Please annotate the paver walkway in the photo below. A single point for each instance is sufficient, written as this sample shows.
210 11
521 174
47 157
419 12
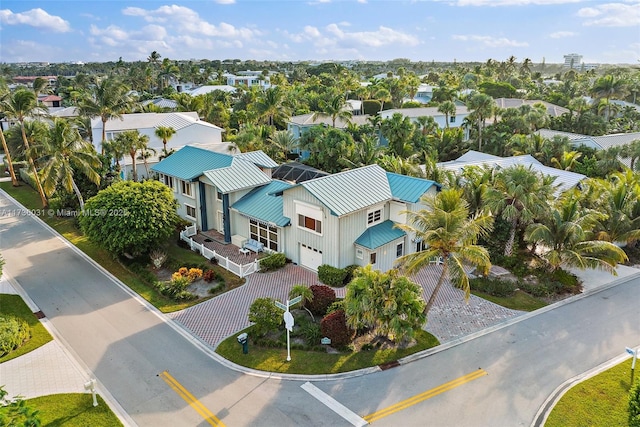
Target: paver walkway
449 319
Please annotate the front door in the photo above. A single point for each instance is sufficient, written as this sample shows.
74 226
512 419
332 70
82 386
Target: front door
220 222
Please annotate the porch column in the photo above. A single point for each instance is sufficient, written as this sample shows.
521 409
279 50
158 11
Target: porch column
203 206
226 218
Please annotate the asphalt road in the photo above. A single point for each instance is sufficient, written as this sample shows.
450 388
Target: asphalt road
127 345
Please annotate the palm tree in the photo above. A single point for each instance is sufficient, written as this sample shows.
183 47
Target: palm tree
448 108
307 296
335 109
608 87
165 132
284 143
132 141
481 106
518 194
20 105
448 231
4 94
270 105
116 150
64 151
144 155
109 100
568 161
562 239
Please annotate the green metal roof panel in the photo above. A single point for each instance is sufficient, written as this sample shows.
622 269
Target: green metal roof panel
408 188
259 158
189 163
262 204
239 175
352 190
379 235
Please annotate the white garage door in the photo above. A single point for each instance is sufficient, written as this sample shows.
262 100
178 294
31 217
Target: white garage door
310 257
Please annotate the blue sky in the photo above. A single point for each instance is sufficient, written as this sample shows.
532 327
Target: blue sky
442 30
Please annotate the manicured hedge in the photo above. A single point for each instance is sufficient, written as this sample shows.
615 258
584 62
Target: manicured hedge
332 276
334 326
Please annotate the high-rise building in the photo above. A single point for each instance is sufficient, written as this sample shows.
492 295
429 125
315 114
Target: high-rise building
572 60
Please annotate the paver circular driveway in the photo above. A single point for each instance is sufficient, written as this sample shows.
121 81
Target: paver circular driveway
450 317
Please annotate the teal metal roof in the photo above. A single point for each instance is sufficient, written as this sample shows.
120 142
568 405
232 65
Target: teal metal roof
259 158
352 190
240 174
261 203
379 235
189 163
408 188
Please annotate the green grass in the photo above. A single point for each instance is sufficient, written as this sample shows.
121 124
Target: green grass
68 229
73 410
600 401
314 362
520 300
15 306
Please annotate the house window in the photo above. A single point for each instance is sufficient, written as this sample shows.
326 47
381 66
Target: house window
420 246
374 216
264 233
373 257
399 250
359 254
218 195
166 180
312 224
452 119
191 211
186 188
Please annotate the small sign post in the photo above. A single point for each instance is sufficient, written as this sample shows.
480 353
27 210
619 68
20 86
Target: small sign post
634 353
288 319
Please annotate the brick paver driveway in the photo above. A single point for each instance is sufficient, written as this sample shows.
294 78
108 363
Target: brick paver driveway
450 318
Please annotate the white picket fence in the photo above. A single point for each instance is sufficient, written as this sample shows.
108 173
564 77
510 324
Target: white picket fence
240 270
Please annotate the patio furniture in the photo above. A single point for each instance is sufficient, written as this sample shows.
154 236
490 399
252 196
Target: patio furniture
254 245
244 251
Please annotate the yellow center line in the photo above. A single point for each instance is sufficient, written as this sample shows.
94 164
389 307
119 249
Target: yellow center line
425 395
191 400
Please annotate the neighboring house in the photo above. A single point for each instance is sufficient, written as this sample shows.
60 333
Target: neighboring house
50 101
596 142
565 180
298 125
203 90
342 219
552 109
189 128
423 95
66 112
248 79
164 103
455 120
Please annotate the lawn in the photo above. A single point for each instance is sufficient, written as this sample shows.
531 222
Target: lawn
15 306
73 410
67 227
316 362
600 401
520 300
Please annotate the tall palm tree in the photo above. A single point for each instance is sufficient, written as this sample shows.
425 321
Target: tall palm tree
133 141
65 150
481 106
270 105
608 87
448 231
283 143
19 106
334 108
448 108
165 132
108 100
562 239
116 150
519 195
4 95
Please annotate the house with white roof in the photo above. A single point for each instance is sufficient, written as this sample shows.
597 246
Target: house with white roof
342 219
188 126
552 109
298 125
455 120
203 90
564 180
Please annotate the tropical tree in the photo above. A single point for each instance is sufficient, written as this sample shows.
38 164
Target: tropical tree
65 152
108 100
4 95
306 294
115 149
334 109
282 144
451 234
481 107
132 141
608 87
389 304
270 106
518 194
448 108
165 132
22 104
561 239
398 130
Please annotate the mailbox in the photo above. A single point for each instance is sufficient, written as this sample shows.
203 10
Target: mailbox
243 339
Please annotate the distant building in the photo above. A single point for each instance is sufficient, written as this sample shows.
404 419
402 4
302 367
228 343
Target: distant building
572 60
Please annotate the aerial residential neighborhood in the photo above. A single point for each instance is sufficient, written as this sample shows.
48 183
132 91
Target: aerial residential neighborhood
328 213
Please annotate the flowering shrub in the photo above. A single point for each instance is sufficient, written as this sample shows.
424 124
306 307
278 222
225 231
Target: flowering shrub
209 276
183 271
194 274
190 274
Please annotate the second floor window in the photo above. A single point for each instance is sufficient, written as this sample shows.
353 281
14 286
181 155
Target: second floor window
186 188
374 217
310 223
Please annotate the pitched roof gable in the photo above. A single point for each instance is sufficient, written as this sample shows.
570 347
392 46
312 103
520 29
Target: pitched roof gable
380 234
240 174
189 163
408 188
264 204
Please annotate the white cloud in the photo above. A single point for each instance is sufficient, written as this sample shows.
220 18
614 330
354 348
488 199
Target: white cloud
489 41
562 34
225 1
37 18
383 36
145 39
611 15
362 1
512 2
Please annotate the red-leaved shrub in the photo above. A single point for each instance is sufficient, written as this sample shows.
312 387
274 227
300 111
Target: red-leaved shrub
209 276
334 326
323 297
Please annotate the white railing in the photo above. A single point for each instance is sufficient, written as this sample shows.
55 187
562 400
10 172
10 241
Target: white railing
240 270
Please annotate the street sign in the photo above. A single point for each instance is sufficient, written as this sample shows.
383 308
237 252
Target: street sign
288 321
295 300
280 305
630 351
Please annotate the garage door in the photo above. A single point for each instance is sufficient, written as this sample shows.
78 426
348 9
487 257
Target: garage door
310 257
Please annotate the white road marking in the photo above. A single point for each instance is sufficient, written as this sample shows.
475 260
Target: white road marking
334 405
